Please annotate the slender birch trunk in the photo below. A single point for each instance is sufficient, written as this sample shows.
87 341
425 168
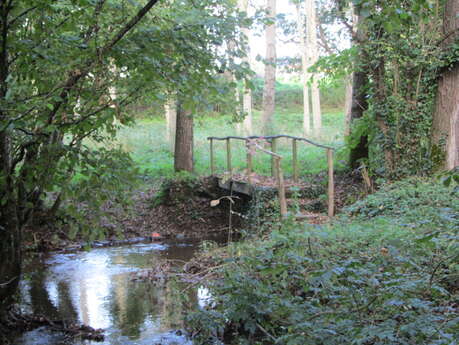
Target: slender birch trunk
311 24
348 104
247 92
304 67
349 81
270 71
170 110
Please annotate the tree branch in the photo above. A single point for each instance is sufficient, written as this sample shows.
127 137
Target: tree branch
11 23
77 74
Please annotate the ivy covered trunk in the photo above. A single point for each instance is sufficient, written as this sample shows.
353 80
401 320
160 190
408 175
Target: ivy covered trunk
445 131
358 101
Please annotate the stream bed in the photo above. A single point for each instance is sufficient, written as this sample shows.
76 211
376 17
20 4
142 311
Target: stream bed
96 288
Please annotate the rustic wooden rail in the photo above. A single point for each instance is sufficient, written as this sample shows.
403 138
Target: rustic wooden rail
275 160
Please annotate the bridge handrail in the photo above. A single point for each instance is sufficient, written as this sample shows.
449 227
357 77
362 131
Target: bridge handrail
275 160
270 137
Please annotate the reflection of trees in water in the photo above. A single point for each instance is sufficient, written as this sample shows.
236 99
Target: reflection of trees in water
66 306
41 301
39 296
131 304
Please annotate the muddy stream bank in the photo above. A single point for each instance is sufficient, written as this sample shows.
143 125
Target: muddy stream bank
100 288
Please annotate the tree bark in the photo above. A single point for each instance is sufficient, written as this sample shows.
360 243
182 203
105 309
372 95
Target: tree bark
445 127
183 159
270 71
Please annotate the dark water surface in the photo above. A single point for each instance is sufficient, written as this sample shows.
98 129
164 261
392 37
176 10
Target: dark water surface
96 288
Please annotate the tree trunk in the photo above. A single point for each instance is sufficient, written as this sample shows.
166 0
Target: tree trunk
247 107
311 25
445 128
183 159
247 92
359 102
171 122
348 104
304 67
10 256
270 71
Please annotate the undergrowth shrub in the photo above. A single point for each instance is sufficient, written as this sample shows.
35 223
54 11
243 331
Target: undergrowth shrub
416 202
104 183
362 280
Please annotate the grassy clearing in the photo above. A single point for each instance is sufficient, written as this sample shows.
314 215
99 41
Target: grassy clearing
148 145
390 277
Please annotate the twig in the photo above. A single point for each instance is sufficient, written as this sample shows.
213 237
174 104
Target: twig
8 282
310 248
266 332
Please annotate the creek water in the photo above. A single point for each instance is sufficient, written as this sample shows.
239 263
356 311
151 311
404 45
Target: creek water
96 288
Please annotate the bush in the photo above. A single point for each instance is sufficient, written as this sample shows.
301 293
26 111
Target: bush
358 281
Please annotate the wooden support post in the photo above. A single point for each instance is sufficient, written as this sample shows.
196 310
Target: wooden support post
273 159
331 184
295 160
212 161
281 187
228 156
249 166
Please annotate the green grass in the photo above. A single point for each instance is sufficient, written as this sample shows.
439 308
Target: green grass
147 143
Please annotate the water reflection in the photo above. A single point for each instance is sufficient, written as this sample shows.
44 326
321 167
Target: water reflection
95 288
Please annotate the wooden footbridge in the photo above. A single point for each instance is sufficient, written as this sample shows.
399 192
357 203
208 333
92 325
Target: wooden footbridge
258 143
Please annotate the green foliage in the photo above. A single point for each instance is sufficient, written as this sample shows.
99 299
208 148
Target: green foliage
406 200
176 190
451 178
356 281
70 67
290 94
105 178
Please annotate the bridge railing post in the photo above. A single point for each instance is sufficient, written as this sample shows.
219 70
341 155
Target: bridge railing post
331 184
212 160
273 160
228 156
249 164
280 186
295 160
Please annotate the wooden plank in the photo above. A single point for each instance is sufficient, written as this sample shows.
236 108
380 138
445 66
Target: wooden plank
331 184
295 160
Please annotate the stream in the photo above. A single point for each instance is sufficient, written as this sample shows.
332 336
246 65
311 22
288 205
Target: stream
96 288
